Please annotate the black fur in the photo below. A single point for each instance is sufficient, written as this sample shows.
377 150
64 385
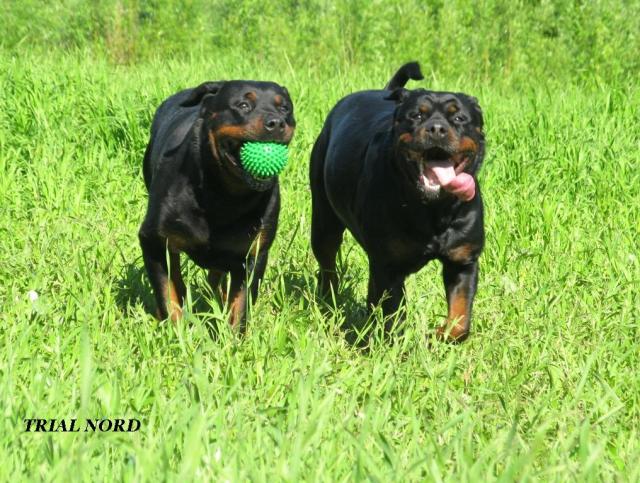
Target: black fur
364 169
201 201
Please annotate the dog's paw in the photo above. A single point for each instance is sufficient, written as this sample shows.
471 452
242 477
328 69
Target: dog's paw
452 332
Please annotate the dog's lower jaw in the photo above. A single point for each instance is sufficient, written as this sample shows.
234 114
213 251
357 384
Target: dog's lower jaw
428 192
257 184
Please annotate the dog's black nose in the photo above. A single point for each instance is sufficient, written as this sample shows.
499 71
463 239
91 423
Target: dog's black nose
273 122
437 130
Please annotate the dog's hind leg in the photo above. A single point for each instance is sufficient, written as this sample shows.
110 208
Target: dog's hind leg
326 238
326 228
175 274
216 282
168 289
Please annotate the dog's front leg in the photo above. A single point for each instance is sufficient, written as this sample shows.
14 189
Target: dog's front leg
460 282
243 290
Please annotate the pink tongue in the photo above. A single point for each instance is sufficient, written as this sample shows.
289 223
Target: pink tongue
462 185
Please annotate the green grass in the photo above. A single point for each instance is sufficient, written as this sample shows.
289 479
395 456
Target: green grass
547 387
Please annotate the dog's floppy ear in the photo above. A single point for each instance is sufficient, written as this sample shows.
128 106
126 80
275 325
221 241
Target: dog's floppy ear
398 95
475 106
204 89
208 104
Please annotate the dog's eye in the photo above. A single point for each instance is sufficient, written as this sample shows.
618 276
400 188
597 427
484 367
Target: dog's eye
284 109
458 119
416 116
244 106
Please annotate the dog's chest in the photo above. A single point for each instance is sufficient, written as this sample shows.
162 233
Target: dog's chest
414 250
407 249
210 238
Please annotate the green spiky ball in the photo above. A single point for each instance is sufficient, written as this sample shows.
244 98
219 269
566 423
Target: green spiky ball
263 160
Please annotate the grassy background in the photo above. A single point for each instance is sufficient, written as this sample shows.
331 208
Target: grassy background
547 387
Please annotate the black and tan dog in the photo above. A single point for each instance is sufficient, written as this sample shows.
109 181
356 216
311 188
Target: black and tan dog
398 169
201 201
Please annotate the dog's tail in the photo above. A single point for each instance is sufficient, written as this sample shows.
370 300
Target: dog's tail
408 71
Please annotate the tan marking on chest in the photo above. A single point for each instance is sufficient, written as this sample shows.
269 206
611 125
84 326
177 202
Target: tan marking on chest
461 253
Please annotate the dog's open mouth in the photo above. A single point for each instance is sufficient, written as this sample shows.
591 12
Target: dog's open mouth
440 169
230 150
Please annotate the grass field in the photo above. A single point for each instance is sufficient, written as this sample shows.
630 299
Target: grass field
548 386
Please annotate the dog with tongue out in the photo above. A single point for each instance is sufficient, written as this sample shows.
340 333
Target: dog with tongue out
397 168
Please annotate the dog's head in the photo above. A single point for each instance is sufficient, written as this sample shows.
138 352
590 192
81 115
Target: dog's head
439 141
235 112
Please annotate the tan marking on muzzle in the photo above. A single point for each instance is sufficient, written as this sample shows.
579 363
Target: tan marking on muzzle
288 133
467 144
230 131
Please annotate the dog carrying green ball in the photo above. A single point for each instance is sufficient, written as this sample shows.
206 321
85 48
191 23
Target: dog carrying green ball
263 160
